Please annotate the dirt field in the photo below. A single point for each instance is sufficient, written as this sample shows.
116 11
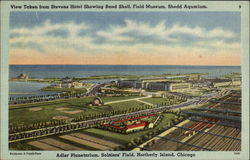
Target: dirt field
43 146
96 140
35 109
75 138
62 108
60 144
72 112
85 142
60 117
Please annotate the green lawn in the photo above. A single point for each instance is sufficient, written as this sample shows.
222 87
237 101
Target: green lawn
22 114
125 138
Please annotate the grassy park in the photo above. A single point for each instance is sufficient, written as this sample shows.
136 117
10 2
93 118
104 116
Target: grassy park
45 111
24 114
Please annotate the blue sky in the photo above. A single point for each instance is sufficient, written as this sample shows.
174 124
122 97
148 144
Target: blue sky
157 34
209 20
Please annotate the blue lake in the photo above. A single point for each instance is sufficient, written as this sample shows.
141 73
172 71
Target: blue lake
60 71
21 89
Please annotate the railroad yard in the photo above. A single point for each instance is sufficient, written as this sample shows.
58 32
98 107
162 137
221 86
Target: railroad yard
214 128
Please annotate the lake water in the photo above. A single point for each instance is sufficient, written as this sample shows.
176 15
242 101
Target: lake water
21 89
60 71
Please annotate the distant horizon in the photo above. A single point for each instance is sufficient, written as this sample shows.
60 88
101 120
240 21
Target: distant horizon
120 65
48 71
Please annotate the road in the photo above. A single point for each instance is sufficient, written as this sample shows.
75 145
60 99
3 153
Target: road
94 89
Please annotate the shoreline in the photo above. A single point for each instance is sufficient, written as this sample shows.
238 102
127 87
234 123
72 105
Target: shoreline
100 77
20 93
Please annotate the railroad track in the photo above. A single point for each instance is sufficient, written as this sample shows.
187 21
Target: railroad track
207 133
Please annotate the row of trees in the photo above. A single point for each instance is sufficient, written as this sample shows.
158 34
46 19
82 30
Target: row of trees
44 98
122 93
112 113
49 131
35 125
30 99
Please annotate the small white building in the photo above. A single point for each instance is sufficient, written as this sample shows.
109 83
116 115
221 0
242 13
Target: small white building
77 84
68 84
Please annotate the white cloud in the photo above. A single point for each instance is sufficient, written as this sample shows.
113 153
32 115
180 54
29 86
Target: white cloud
219 44
114 36
40 35
119 33
161 31
71 27
200 32
115 33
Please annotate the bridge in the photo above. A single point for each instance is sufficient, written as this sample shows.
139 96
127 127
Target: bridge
215 116
224 102
217 110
